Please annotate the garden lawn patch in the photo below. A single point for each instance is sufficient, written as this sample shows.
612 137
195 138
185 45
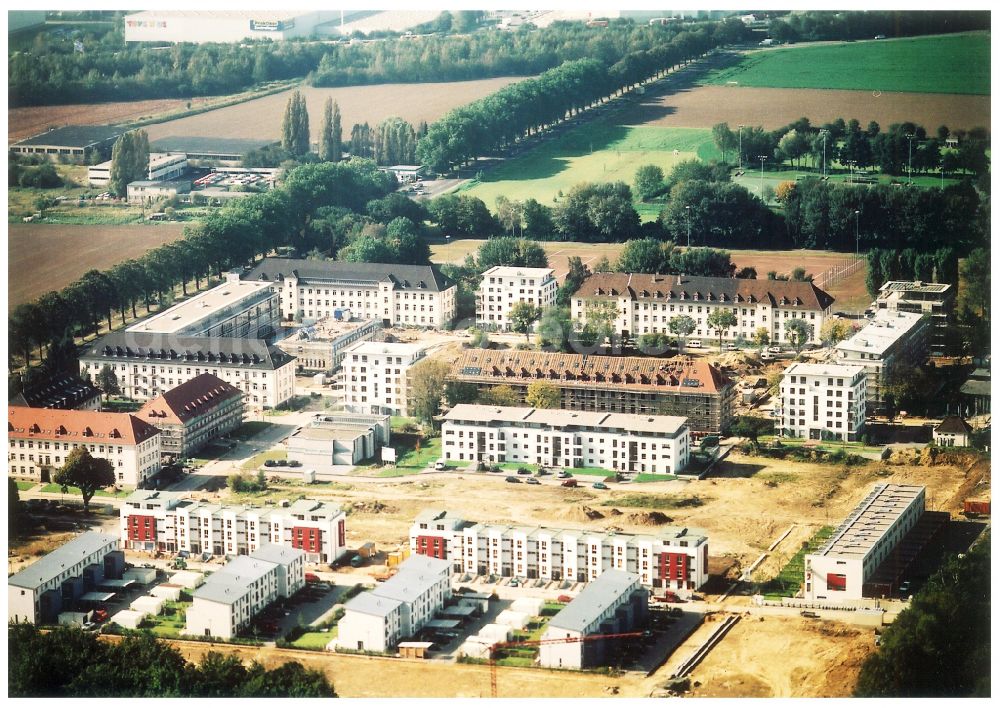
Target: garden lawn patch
590 471
316 641
25 486
258 460
654 478
56 489
791 577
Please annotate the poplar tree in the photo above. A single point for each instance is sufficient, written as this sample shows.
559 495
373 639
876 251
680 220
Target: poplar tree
295 126
326 133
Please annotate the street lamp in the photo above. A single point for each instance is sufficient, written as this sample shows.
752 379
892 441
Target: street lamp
909 161
824 133
857 216
741 147
687 210
762 158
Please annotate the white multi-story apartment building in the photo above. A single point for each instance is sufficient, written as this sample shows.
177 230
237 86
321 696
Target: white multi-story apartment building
620 442
161 167
614 603
170 522
865 539
934 299
645 304
891 338
396 609
232 596
149 364
823 401
40 439
375 377
395 295
237 308
670 559
35 594
504 286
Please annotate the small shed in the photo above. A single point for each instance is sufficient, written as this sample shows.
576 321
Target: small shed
187 579
367 550
528 605
952 432
129 619
493 633
143 576
148 605
476 604
167 591
460 611
476 648
414 650
73 619
516 620
97 597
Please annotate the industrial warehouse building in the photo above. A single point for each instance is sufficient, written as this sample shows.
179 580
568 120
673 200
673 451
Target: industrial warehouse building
329 440
863 541
823 401
40 439
170 522
645 303
670 559
74 143
38 593
619 442
679 386
504 286
193 414
209 151
615 603
148 363
162 167
235 308
394 294
396 609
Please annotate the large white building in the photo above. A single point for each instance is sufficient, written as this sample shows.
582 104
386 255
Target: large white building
504 286
374 375
236 308
396 609
148 364
866 538
645 304
619 442
329 440
892 338
395 295
170 522
823 401
615 603
669 559
934 299
162 167
232 596
223 25
40 439
36 594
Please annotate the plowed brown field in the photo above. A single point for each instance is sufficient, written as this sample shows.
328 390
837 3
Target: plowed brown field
260 119
705 106
44 257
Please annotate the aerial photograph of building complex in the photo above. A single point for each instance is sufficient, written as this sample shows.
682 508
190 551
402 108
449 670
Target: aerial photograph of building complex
520 354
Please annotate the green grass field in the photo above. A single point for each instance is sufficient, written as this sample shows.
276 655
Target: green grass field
958 63
315 641
599 152
791 577
56 489
25 486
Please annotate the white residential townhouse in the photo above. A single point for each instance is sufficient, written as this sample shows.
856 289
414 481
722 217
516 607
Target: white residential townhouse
823 401
374 375
504 286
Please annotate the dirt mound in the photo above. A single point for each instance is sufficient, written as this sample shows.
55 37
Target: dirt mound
921 457
374 507
580 513
614 512
648 518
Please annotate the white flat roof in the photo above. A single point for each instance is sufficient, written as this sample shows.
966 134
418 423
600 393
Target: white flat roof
200 307
387 348
516 272
870 520
558 418
881 332
846 371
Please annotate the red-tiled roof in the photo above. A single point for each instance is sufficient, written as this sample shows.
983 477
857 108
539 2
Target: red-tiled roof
77 426
681 374
189 399
687 288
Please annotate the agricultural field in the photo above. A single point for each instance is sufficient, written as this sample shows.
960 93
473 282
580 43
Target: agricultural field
44 257
260 119
948 64
605 150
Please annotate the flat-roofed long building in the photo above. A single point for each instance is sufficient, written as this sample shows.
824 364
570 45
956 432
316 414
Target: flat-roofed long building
162 166
620 442
73 142
615 603
222 25
147 364
394 294
670 558
866 538
645 303
682 386
236 308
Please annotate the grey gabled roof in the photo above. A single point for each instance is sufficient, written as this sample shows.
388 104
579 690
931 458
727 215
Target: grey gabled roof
594 599
214 351
274 553
405 277
69 554
368 603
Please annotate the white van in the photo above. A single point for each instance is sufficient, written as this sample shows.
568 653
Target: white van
440 464
694 344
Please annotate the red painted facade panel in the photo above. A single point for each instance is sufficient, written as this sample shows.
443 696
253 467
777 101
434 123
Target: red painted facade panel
433 546
341 534
141 528
674 566
835 581
309 540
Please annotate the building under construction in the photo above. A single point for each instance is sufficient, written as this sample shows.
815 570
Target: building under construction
680 386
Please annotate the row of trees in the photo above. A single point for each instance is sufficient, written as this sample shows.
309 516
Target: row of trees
129 161
68 662
816 25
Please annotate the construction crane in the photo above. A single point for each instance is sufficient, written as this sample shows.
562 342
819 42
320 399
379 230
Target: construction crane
540 642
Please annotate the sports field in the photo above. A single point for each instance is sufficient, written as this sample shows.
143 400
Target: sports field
955 64
602 151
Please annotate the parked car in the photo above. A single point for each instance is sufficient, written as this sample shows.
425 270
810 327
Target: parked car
564 474
269 463
440 464
774 350
100 615
599 485
513 480
767 356
569 483
523 470
730 347
294 463
312 578
694 344
531 480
